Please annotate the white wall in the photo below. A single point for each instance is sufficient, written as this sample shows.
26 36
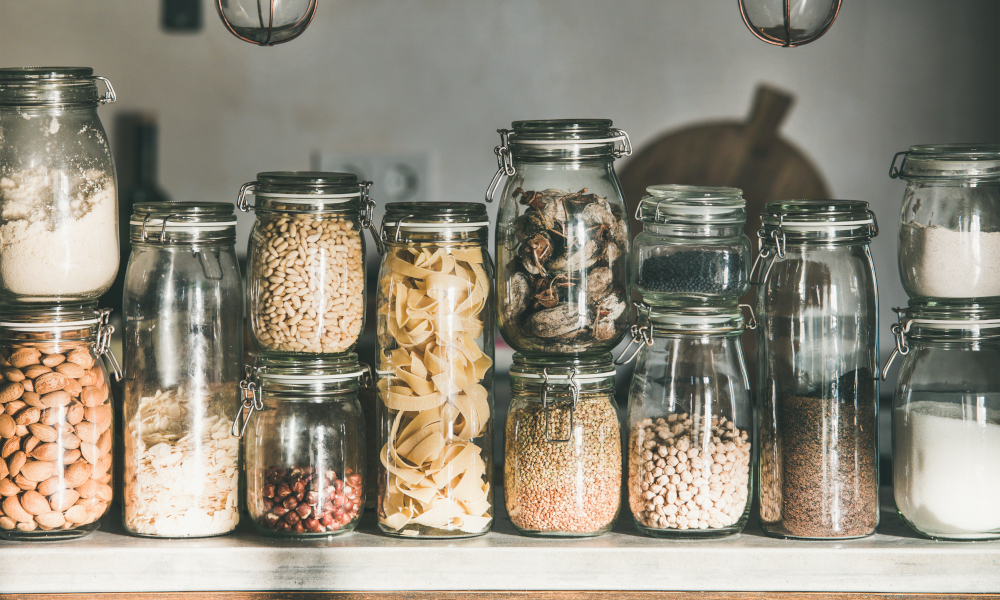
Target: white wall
441 75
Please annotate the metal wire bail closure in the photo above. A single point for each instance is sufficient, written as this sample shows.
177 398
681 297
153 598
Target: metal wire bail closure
104 332
242 202
251 401
762 253
640 335
626 149
505 165
574 386
109 97
368 215
895 172
752 323
899 331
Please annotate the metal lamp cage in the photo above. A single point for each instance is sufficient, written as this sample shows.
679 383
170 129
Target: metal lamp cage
786 41
265 17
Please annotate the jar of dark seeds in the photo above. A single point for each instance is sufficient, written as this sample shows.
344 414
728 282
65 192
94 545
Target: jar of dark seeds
690 425
562 237
692 249
304 446
562 471
817 353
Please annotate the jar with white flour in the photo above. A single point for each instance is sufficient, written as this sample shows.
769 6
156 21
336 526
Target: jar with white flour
946 421
58 196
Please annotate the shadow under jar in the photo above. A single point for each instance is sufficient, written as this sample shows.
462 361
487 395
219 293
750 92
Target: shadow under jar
562 237
55 422
946 421
58 191
690 424
817 352
563 451
304 446
306 261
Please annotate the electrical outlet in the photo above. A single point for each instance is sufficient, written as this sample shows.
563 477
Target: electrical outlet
395 177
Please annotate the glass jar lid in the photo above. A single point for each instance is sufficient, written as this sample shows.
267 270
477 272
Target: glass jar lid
697 320
182 222
52 86
803 221
291 371
692 204
305 192
948 161
434 221
54 319
596 371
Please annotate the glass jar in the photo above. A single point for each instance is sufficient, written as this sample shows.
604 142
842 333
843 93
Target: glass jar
58 193
817 349
562 237
946 421
435 389
563 451
55 422
183 354
690 421
306 283
304 446
692 249
950 217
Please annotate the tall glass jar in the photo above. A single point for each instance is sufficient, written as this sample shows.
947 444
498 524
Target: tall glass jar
435 389
58 194
690 421
183 355
817 349
562 237
306 282
563 451
950 217
304 446
946 421
692 249
55 422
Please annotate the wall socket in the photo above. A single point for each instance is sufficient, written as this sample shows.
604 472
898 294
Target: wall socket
396 177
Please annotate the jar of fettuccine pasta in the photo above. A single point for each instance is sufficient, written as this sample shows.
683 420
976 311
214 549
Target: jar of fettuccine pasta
435 389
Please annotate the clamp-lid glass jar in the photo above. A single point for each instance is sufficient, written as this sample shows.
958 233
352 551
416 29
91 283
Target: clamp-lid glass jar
55 422
946 421
690 421
58 193
304 445
306 281
183 355
817 353
563 452
435 353
692 249
949 224
562 237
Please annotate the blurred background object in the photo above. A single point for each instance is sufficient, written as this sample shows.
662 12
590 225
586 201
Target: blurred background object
183 16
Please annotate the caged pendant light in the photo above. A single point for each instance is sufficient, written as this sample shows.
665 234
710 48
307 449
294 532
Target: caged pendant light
789 23
266 22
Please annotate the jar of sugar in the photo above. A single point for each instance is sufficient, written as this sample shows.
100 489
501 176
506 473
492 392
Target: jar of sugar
946 420
949 226
58 196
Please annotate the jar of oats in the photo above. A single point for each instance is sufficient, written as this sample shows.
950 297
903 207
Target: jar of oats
306 259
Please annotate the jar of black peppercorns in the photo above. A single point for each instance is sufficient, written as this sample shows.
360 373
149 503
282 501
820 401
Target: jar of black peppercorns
304 446
692 250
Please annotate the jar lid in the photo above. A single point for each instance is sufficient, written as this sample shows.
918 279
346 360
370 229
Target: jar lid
52 318
696 320
51 86
315 370
563 369
692 204
931 314
946 161
167 222
425 220
802 220
304 191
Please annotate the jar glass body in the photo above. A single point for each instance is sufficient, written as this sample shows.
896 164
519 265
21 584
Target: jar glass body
562 247
950 216
56 426
435 349
946 431
183 348
305 457
817 348
562 450
58 191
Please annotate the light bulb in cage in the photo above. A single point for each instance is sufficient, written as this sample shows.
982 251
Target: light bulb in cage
789 23
266 22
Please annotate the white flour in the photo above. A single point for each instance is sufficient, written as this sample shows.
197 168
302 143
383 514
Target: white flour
58 234
942 263
946 469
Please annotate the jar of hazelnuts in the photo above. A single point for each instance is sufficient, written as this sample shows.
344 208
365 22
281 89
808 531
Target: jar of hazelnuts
304 445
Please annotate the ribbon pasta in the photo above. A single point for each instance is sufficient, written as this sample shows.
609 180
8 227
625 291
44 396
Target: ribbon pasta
430 313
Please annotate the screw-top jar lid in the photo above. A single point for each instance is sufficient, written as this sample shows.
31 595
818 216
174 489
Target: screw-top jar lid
428 221
182 222
692 204
52 86
817 220
948 161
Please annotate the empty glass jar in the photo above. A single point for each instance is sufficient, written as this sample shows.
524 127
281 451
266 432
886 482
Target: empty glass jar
562 237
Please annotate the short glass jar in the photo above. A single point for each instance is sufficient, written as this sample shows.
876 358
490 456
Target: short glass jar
183 354
692 249
304 445
58 191
817 353
306 261
949 224
562 238
56 422
563 451
435 353
690 421
946 420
